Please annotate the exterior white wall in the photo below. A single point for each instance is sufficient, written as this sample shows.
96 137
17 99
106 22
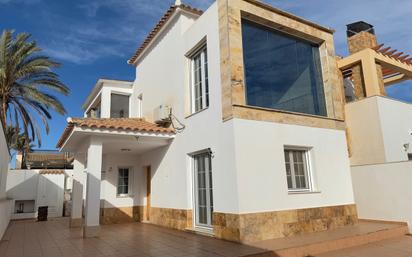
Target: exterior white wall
5 215
379 127
260 163
396 125
383 191
108 88
163 78
5 204
45 190
111 165
4 163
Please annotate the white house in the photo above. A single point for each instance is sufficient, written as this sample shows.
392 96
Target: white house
234 126
379 127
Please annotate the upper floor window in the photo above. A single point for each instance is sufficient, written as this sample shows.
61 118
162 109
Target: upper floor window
119 106
199 80
282 72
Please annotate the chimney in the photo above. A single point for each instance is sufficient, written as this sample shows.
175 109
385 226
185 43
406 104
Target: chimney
361 35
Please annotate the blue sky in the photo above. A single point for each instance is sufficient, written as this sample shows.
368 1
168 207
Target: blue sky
94 38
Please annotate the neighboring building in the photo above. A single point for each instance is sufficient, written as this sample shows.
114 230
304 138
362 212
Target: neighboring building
256 147
41 178
379 127
44 159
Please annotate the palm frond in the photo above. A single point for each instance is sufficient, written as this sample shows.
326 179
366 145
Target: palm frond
27 85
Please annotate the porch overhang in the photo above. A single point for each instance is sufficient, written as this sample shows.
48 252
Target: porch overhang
119 135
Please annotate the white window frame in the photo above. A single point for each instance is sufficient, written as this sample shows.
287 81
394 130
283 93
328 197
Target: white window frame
201 227
140 106
130 182
307 154
204 80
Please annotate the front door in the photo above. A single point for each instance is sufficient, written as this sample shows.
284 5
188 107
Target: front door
203 190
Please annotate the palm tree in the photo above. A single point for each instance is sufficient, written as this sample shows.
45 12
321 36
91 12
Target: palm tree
22 145
26 85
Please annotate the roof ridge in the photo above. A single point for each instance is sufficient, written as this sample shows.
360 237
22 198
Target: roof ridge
159 25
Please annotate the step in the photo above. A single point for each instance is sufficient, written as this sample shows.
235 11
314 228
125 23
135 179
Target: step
365 232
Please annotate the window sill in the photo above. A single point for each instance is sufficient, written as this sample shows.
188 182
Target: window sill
303 192
124 196
193 114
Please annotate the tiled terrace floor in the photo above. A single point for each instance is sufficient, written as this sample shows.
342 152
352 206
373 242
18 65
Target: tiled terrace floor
55 239
396 247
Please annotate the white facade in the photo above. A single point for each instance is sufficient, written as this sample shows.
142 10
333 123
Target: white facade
380 130
382 191
247 156
35 190
5 204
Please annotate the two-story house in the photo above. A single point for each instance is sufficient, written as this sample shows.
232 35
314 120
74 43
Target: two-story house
234 126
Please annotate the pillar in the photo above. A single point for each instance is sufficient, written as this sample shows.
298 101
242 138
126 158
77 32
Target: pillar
91 227
76 219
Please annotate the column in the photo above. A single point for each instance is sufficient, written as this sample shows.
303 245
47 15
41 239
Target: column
92 208
76 219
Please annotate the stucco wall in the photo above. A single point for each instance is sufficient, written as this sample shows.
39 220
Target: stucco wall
111 164
378 129
396 124
4 163
44 189
260 163
383 191
4 167
163 78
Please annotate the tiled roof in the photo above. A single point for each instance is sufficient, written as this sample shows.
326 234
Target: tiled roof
51 172
169 13
129 124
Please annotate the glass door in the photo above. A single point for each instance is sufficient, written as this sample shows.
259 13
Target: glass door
203 190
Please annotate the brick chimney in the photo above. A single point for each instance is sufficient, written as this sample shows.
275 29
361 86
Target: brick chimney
361 35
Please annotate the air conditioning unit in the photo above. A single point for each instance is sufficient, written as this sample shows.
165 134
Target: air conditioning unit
162 114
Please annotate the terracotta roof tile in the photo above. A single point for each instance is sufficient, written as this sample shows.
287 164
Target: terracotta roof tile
169 13
51 172
129 124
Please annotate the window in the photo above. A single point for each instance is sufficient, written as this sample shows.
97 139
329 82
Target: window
140 106
119 106
123 182
297 169
410 156
95 111
199 81
282 72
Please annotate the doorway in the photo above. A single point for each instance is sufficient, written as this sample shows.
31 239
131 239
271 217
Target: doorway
203 190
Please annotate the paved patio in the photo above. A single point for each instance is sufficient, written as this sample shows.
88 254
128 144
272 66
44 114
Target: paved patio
396 247
55 239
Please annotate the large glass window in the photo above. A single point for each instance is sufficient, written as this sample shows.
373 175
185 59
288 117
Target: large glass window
119 106
199 80
282 72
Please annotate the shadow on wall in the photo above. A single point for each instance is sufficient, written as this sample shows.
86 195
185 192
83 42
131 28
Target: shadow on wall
111 213
45 190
